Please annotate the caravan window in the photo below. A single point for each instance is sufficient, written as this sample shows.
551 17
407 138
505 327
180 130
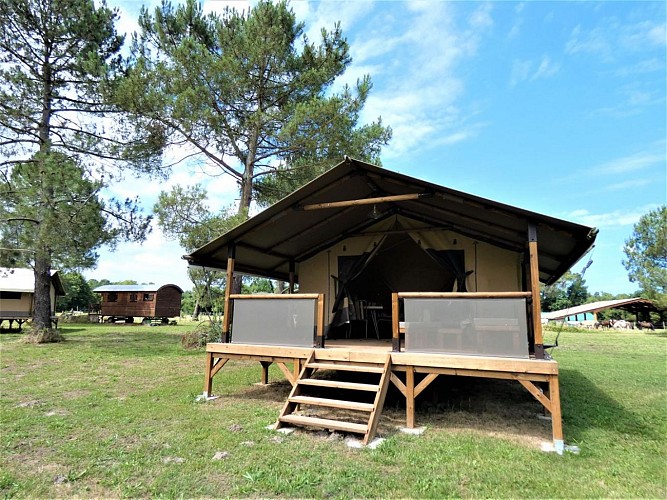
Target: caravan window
112 297
148 297
10 295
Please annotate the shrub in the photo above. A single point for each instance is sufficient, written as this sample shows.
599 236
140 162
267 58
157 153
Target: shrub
204 332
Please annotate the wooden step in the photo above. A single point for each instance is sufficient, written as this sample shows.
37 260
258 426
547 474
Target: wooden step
324 423
338 384
359 367
332 403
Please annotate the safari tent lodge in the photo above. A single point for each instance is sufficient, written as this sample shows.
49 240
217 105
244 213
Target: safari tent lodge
396 276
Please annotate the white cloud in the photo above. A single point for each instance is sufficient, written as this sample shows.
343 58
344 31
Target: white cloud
518 21
630 163
414 51
157 260
526 70
615 218
630 184
642 67
593 42
611 38
546 69
318 15
481 17
632 99
219 6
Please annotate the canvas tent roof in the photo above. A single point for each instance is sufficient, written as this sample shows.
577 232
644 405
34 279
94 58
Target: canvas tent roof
23 280
291 230
634 305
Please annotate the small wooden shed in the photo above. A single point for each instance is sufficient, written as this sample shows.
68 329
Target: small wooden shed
150 302
17 295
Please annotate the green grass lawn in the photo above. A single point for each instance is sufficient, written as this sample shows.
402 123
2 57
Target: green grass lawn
111 412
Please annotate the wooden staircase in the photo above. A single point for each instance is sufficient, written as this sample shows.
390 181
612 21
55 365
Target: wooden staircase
297 401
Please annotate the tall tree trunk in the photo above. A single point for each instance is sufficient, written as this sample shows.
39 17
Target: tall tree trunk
197 310
246 191
42 305
41 318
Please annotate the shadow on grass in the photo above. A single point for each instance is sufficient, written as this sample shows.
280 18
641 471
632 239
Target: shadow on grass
491 405
586 406
121 342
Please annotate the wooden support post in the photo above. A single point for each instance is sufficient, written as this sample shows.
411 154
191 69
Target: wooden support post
319 328
208 377
297 368
395 333
535 291
227 320
292 269
410 397
556 417
265 372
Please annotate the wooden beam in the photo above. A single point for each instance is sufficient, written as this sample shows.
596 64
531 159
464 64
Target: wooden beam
464 295
410 397
259 296
537 393
364 201
556 417
208 378
265 372
395 323
292 272
319 332
286 371
425 383
227 318
398 383
296 368
217 366
535 291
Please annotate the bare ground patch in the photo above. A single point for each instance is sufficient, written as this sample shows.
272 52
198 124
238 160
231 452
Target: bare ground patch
493 408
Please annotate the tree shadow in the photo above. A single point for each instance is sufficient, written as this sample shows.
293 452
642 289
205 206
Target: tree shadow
490 405
586 406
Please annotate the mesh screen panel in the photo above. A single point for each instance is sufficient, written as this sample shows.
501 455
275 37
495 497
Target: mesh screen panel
274 322
482 327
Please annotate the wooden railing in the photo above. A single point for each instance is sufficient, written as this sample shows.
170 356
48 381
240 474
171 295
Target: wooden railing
268 321
397 330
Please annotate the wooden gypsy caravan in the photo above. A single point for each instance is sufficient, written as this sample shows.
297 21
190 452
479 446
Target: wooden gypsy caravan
150 302
393 276
17 295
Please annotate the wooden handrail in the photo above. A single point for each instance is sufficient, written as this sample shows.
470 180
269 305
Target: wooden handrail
292 296
464 295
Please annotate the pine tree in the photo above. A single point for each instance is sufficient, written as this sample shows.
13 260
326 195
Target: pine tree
250 94
59 63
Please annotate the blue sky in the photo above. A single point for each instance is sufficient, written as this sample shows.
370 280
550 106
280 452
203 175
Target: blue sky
554 107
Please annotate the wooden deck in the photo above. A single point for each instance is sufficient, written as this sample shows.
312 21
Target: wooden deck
538 376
